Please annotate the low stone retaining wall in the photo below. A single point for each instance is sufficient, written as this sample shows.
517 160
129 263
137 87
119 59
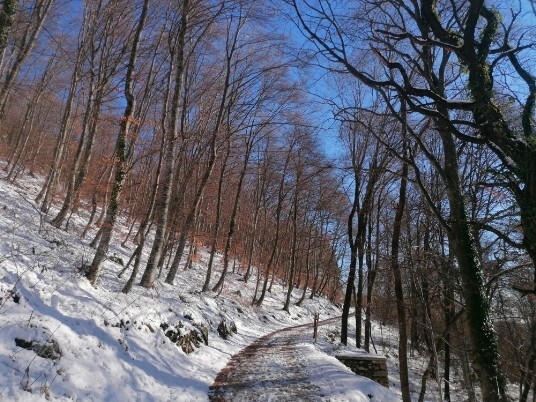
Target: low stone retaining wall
370 366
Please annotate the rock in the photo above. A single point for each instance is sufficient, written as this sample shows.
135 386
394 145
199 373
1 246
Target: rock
13 295
227 328
118 260
57 242
122 324
204 332
124 344
187 338
49 350
370 366
22 343
189 341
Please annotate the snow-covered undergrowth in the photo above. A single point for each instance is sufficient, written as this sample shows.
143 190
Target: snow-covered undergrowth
62 339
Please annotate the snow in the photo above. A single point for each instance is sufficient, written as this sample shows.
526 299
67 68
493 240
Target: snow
112 345
327 371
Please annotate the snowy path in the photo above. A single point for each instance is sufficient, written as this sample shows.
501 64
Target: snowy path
272 368
285 366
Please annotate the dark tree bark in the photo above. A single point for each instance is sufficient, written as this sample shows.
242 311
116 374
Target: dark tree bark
399 293
294 242
232 221
472 43
127 122
217 223
278 211
162 204
39 13
364 188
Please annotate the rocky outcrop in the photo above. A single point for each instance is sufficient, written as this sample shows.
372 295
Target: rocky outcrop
187 337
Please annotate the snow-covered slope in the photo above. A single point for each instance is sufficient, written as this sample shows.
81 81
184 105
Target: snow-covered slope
62 339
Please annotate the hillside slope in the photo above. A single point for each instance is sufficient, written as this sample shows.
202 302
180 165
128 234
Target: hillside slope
62 339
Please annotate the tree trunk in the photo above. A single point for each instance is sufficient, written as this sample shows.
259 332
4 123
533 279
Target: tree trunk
424 378
26 130
82 159
232 222
278 211
307 270
372 271
120 166
484 350
39 14
163 199
192 213
399 293
292 269
217 223
47 191
351 272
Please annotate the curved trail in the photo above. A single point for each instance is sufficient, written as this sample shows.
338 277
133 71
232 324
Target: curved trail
274 367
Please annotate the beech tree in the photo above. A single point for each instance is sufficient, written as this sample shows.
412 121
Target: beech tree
179 29
128 120
48 188
27 130
189 24
368 164
106 48
31 21
224 109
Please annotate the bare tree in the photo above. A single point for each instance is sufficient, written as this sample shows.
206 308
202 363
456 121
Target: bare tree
39 11
321 25
367 167
107 48
120 166
29 120
170 127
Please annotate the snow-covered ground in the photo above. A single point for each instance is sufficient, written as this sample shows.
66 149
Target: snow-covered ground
102 345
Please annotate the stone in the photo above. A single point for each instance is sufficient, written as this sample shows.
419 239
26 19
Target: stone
203 330
118 260
48 350
370 366
227 328
186 339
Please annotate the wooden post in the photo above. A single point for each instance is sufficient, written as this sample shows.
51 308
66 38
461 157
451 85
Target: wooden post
315 326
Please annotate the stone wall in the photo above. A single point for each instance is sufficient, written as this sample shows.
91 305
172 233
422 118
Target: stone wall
370 366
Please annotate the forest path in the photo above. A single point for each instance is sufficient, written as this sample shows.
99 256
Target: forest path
276 367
